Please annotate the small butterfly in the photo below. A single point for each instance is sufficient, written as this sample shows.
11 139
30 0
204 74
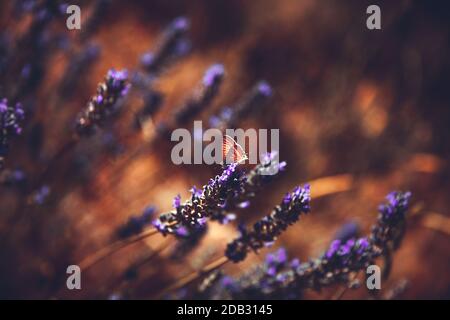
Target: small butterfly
232 151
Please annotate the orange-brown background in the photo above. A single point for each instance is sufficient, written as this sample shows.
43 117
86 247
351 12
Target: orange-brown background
371 104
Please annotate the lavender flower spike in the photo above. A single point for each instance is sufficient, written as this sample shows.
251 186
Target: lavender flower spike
10 125
104 103
227 117
267 230
193 213
388 232
172 44
280 278
203 96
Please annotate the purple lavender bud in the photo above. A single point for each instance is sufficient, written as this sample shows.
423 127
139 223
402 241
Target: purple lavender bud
161 227
287 198
177 201
265 89
281 255
271 271
41 195
213 74
295 263
195 192
346 248
229 217
147 58
244 204
227 282
182 232
3 106
362 245
180 24
334 247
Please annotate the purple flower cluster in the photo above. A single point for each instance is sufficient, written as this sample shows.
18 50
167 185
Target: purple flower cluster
349 254
104 103
188 217
11 117
253 182
266 231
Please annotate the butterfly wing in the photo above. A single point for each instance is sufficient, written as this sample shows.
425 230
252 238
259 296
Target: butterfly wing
232 151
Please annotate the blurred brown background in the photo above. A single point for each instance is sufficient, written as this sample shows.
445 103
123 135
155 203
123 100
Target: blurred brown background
347 100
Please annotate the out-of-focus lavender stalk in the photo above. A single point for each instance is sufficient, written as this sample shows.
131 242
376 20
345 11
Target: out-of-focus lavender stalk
171 45
104 103
228 117
11 117
22 7
98 12
136 224
267 230
198 101
203 96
